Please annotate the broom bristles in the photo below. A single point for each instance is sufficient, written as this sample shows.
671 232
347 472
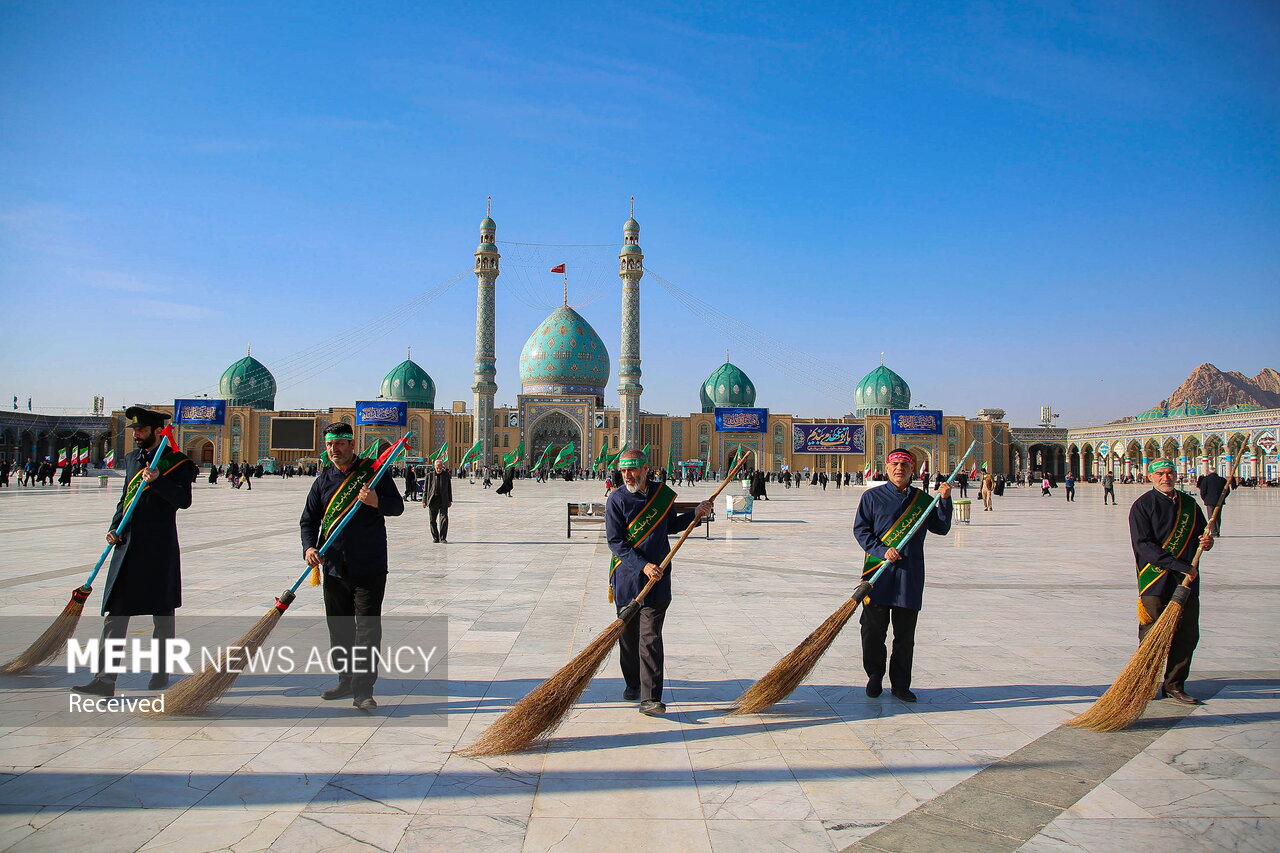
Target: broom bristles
48 644
788 673
542 711
192 695
1124 701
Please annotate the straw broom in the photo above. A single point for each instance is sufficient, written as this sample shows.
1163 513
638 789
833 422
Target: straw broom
192 695
54 639
1127 698
790 672
542 711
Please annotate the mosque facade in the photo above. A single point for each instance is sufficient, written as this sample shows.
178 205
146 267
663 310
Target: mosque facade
565 368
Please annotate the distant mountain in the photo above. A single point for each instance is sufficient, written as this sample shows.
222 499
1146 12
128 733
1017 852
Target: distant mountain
1228 389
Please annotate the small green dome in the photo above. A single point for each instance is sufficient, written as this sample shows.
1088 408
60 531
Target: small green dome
631 225
631 250
488 224
727 387
879 391
248 383
409 383
564 355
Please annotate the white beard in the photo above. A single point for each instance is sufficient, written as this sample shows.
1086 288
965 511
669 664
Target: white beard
638 487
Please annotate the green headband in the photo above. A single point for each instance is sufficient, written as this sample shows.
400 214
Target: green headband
339 436
1160 465
633 462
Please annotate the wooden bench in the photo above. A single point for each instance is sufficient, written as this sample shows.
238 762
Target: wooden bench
587 514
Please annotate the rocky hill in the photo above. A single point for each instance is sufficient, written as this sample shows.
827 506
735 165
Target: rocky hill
1228 389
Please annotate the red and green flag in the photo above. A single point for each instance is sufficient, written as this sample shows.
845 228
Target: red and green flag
510 460
110 461
472 454
62 458
542 460
565 457
442 452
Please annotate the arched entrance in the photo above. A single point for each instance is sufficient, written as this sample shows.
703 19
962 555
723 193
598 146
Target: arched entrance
200 450
554 429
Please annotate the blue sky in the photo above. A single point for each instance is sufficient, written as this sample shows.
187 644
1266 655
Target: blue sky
1001 197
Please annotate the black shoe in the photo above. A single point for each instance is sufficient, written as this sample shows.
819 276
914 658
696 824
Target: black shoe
652 708
631 694
904 694
1179 696
97 687
342 691
159 681
874 687
366 704
434 539
445 541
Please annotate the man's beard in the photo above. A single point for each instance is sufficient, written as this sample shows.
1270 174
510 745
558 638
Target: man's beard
638 487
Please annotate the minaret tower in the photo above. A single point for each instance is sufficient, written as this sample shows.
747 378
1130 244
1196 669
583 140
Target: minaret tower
484 388
630 270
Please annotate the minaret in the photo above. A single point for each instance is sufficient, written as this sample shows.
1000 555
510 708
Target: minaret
630 270
484 388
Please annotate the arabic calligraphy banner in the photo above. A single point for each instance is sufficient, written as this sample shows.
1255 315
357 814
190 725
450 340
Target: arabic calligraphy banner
742 420
382 413
915 422
200 411
828 438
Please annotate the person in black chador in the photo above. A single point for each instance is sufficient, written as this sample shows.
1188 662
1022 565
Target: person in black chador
1211 486
637 518
1165 526
881 521
437 497
508 480
354 568
145 578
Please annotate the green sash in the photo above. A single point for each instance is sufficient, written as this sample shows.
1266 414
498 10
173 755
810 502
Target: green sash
896 535
644 523
1178 540
167 465
345 497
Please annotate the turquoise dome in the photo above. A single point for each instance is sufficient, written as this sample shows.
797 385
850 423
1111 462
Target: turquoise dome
248 383
488 224
409 383
631 250
879 391
564 355
727 387
631 225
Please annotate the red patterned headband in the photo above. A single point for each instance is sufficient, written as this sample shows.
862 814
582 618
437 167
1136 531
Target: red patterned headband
902 456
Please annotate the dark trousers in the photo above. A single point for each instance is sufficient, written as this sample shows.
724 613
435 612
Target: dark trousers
353 610
440 514
875 627
1185 639
1071 493
640 650
115 626
1216 527
1108 492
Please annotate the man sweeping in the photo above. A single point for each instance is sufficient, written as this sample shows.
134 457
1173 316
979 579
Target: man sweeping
354 568
884 516
637 520
1165 527
145 578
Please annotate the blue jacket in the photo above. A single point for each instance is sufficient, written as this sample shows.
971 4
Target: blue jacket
629 578
902 583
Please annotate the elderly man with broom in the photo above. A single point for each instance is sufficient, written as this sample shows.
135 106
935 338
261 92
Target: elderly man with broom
145 577
1165 527
882 524
637 519
354 567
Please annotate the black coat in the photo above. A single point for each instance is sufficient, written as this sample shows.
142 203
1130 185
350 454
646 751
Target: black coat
146 569
1151 518
361 548
1211 487
438 491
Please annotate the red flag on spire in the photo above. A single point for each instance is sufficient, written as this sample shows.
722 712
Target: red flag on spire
559 268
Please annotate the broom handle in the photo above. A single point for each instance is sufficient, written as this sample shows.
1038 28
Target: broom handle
355 507
1222 499
666 561
128 514
925 515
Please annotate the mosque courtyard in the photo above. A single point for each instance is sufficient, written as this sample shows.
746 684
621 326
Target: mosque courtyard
1029 615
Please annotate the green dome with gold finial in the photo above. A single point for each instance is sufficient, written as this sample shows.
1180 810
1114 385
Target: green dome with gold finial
409 383
879 391
248 383
564 355
727 387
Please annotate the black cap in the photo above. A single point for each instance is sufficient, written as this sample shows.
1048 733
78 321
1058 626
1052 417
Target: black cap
141 416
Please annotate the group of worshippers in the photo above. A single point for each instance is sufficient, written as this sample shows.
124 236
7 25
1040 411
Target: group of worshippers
1166 525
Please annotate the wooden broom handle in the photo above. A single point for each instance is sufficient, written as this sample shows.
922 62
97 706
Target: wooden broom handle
1222 499
666 561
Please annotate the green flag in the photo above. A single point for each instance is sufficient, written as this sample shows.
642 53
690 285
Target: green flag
671 458
542 460
510 460
706 469
565 457
472 454
442 452
601 457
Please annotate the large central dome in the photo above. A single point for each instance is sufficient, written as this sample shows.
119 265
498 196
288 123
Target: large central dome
564 355
881 391
248 383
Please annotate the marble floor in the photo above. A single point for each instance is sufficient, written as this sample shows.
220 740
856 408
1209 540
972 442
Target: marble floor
1029 614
